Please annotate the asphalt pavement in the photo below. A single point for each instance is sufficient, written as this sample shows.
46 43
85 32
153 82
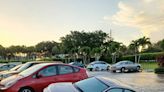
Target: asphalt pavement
140 81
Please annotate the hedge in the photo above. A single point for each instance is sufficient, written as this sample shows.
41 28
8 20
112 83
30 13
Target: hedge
143 56
159 70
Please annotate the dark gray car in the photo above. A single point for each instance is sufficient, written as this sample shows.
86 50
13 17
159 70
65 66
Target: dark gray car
94 84
125 66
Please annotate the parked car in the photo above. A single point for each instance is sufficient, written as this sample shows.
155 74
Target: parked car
4 67
36 78
98 65
125 66
15 68
79 64
94 84
23 67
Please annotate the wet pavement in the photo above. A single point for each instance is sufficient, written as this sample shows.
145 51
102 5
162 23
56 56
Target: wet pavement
140 81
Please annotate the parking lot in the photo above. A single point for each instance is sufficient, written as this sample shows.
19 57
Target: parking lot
140 81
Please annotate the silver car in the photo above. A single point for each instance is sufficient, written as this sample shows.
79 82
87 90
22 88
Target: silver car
98 66
94 84
124 66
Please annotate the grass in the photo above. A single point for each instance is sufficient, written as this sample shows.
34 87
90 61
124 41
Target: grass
149 65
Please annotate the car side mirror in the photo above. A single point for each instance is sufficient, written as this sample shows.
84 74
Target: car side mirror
37 76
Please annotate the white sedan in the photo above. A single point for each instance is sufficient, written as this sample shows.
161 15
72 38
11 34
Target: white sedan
98 66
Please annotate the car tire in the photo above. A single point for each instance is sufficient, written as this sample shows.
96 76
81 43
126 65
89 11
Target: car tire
26 89
138 68
114 71
108 68
90 69
123 69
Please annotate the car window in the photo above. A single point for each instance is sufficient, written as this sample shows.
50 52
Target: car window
16 67
32 64
31 70
11 65
25 66
64 69
130 62
48 71
4 67
115 90
102 63
126 62
76 69
91 85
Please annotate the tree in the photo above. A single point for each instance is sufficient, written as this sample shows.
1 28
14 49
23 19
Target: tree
139 45
31 52
160 44
96 52
85 51
45 47
144 43
80 39
2 52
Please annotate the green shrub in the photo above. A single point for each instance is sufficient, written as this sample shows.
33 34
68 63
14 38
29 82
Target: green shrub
159 70
143 56
150 56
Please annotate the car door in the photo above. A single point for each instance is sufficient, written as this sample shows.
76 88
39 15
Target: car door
127 65
131 65
66 74
44 77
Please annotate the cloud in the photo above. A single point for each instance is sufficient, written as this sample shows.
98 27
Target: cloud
146 15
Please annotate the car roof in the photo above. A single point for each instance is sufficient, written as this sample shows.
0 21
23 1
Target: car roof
44 62
112 82
98 61
125 61
47 64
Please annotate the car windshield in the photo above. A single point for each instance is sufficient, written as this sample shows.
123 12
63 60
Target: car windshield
16 67
119 63
23 67
71 63
31 70
90 85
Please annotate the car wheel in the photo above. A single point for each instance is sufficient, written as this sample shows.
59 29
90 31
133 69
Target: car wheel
123 69
108 68
90 69
26 89
138 68
114 71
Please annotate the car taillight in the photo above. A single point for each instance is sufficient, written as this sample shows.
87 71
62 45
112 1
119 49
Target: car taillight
88 75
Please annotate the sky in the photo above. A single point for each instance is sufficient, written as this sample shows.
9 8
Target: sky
27 22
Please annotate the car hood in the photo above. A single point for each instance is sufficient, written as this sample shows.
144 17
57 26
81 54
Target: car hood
8 72
61 87
11 78
114 65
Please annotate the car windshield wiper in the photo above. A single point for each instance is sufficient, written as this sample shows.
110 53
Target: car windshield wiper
78 88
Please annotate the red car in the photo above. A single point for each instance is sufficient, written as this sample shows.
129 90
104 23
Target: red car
36 78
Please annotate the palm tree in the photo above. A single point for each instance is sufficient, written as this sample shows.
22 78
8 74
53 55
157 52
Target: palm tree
138 45
143 42
96 52
85 51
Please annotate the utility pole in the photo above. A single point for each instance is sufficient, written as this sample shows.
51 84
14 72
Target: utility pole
110 36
